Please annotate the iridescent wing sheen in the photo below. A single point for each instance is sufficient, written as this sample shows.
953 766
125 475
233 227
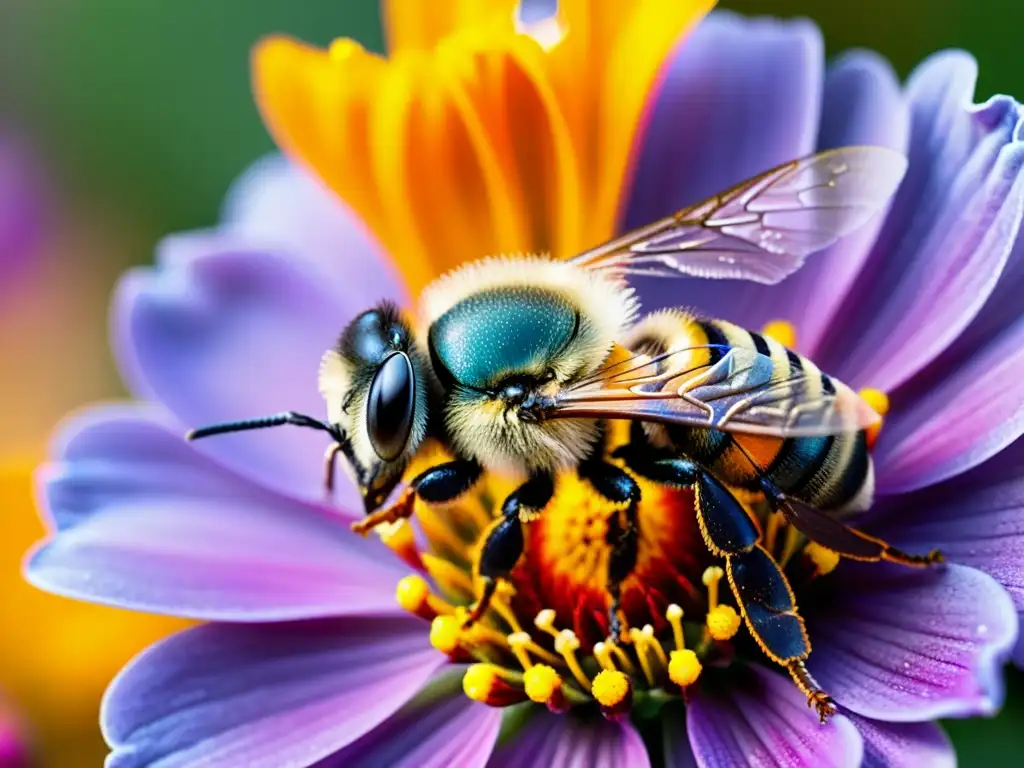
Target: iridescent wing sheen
741 391
763 228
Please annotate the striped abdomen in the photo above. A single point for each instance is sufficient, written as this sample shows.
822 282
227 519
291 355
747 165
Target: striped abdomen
829 473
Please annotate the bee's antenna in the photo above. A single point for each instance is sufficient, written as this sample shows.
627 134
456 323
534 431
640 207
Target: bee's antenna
277 420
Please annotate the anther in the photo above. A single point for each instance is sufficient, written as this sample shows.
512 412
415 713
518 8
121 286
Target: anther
544 686
501 603
487 684
825 560
567 644
613 692
445 634
782 331
712 575
684 667
723 622
545 621
414 595
674 614
603 654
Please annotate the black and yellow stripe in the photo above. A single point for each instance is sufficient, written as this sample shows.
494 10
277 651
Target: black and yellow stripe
825 472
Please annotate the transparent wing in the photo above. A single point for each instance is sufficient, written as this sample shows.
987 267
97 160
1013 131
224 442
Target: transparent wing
764 228
740 392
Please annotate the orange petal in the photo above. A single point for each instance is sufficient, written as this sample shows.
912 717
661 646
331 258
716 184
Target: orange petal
603 71
415 24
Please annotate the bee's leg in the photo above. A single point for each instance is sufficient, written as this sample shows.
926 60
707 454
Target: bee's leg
617 486
822 528
758 584
437 485
504 542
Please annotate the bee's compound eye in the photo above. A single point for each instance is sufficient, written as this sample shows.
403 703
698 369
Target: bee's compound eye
390 405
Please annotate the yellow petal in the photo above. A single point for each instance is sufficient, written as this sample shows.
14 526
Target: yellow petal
418 24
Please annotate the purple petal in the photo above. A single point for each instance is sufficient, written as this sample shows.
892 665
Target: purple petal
762 719
975 519
427 734
947 237
674 738
904 745
289 211
22 207
144 521
223 331
263 695
968 417
571 742
731 76
910 645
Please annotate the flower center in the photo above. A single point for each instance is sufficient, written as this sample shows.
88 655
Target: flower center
545 637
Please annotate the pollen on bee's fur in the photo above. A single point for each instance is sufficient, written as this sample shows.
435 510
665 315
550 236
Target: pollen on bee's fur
825 560
541 682
723 622
445 632
610 688
684 667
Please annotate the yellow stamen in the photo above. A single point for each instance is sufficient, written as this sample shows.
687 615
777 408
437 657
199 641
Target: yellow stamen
414 595
877 399
659 652
492 685
501 604
541 683
712 575
545 621
825 560
782 331
518 641
567 644
640 644
610 688
674 614
603 655
400 539
445 633
623 657
684 668
723 622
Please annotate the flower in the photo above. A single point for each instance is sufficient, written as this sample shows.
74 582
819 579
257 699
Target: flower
308 658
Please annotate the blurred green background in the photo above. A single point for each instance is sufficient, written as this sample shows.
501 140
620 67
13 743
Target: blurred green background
140 113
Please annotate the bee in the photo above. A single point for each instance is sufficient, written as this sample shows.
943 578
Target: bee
519 363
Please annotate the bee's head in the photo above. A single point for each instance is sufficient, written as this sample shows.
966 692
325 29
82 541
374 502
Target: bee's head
374 382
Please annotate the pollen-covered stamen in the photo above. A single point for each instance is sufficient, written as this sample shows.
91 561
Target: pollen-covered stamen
446 634
674 614
684 667
522 646
614 692
543 685
722 621
414 595
782 331
649 653
492 685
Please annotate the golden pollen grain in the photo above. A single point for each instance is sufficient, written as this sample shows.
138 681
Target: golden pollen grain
479 681
541 683
411 593
782 331
610 687
825 560
445 632
684 667
877 399
723 622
